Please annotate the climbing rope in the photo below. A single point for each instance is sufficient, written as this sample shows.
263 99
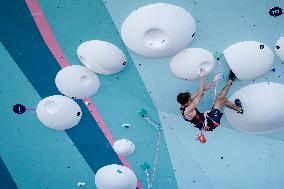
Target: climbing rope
148 180
156 158
158 145
145 166
151 122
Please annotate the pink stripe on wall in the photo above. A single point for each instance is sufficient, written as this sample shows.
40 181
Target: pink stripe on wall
52 44
46 32
92 108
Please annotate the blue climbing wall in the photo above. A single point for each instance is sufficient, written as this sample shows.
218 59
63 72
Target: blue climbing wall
30 61
230 158
33 156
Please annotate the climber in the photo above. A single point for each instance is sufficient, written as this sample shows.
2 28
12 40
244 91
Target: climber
189 104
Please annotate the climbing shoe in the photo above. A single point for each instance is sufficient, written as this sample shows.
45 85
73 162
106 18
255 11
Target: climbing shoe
232 76
239 104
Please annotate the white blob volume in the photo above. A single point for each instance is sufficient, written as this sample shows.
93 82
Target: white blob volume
58 112
101 57
158 30
115 177
187 63
123 147
263 105
77 81
249 59
279 48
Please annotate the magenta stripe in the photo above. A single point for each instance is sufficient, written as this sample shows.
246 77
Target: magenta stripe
53 46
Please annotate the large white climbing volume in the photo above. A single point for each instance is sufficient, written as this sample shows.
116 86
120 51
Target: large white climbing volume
124 147
101 57
279 48
115 177
77 82
187 63
249 59
158 30
263 105
58 112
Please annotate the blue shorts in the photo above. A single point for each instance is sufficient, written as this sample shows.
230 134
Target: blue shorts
216 116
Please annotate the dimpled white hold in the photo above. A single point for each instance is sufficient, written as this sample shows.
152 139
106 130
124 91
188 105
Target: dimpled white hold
263 105
158 30
77 82
279 48
115 177
123 147
58 112
187 63
101 57
249 59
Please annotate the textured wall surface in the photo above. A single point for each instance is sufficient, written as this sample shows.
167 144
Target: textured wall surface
33 156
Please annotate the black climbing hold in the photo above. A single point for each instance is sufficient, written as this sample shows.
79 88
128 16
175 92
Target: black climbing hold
277 47
78 113
273 69
261 46
124 63
275 11
19 109
222 157
193 35
119 171
126 125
